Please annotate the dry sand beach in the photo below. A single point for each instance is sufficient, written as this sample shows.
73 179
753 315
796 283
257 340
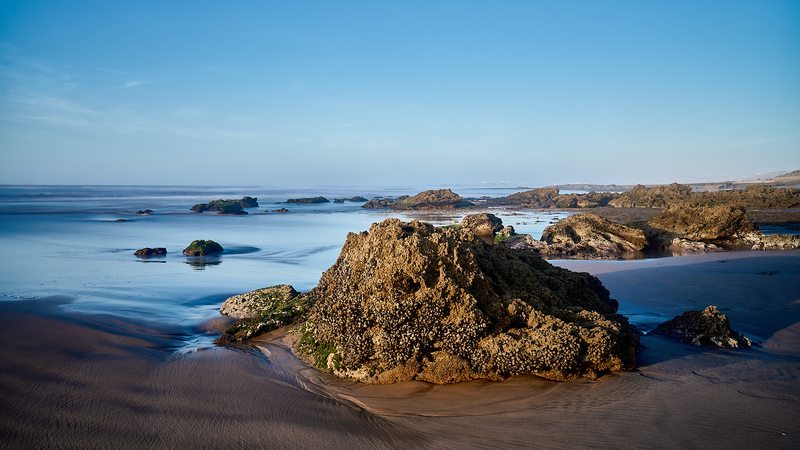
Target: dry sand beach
76 380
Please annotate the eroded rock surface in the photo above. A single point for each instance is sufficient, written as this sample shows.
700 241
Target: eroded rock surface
482 224
261 311
776 242
721 225
583 235
409 301
426 200
703 327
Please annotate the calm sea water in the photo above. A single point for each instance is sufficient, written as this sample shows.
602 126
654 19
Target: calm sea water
69 241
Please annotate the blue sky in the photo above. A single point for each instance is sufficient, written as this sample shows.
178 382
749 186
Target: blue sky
397 93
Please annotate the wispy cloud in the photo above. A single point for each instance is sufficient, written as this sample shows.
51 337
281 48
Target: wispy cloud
132 84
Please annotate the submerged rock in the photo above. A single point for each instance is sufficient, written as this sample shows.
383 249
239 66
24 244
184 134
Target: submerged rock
147 251
703 327
409 301
308 200
231 207
202 247
357 198
261 311
145 212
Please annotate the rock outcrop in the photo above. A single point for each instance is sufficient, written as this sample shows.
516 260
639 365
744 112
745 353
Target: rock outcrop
776 242
261 311
231 207
507 232
756 197
552 198
426 200
724 226
752 197
281 210
308 200
147 252
482 224
703 327
652 197
715 228
353 199
145 212
202 247
583 235
409 301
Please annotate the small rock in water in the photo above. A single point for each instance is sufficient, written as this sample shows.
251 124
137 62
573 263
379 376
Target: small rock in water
703 327
147 251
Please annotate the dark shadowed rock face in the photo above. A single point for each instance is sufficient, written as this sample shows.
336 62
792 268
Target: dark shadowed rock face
482 224
147 251
409 301
703 327
202 247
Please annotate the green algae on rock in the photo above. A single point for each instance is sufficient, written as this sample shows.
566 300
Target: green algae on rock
230 207
202 247
261 311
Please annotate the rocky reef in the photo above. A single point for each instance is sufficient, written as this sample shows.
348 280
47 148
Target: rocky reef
261 311
725 226
752 197
426 200
308 200
232 207
353 199
410 301
711 228
144 212
755 197
552 198
147 252
202 247
703 327
583 235
682 229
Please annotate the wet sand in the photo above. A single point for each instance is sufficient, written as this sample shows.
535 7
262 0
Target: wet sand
79 380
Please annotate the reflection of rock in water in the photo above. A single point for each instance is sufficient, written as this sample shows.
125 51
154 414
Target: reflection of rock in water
201 263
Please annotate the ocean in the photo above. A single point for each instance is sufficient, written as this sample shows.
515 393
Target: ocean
102 349
78 242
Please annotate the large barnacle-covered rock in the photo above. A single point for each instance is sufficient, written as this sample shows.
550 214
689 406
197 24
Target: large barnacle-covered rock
410 301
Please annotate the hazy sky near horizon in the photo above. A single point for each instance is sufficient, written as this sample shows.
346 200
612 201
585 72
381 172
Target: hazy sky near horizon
397 93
